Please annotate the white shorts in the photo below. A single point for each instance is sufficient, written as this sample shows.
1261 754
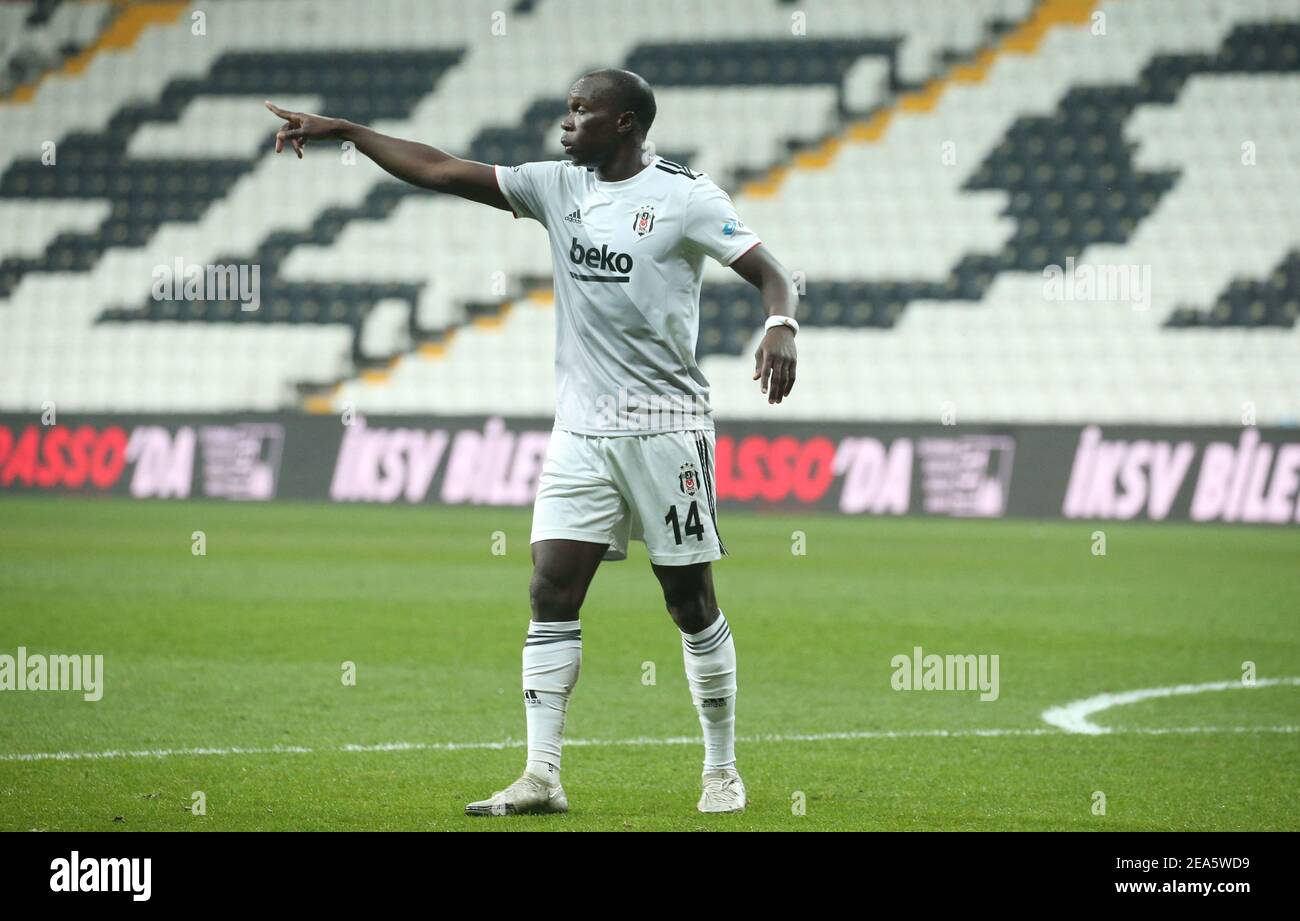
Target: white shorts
611 489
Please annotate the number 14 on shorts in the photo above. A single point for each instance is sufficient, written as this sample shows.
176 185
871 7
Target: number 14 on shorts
693 526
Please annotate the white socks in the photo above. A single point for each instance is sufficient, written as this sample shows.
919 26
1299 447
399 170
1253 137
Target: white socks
552 657
710 658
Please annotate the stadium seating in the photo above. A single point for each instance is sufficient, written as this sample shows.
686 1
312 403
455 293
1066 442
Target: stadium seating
36 37
918 170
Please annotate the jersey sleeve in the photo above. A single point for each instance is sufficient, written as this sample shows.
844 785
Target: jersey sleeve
529 186
714 227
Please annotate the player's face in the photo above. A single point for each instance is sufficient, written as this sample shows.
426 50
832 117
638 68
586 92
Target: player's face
588 130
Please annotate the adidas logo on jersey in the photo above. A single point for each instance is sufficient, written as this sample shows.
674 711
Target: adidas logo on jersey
604 258
575 217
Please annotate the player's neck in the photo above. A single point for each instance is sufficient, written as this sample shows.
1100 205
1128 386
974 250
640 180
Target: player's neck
624 164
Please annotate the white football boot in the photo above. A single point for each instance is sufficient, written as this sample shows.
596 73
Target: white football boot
528 794
724 791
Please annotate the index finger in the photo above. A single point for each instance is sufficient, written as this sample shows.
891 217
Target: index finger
279 111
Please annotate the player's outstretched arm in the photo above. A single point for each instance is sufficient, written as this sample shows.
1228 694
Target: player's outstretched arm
775 360
419 164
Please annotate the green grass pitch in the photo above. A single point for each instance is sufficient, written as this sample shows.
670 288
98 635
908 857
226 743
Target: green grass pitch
243 648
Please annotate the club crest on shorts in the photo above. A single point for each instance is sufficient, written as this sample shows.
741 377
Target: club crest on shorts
689 479
643 220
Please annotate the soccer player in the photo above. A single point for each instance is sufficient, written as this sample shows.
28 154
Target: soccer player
631 456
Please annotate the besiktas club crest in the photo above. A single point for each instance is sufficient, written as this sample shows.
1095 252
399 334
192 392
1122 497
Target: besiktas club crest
643 220
688 479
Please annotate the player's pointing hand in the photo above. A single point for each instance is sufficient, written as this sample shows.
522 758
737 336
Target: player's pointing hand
301 127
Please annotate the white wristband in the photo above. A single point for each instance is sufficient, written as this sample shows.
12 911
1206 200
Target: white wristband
782 321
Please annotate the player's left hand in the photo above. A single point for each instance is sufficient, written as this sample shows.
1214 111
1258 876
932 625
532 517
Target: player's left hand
774 363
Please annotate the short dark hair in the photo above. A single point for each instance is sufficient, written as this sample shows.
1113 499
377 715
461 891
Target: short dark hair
630 94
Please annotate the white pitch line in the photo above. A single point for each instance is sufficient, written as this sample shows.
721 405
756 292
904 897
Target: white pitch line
1076 716
113 754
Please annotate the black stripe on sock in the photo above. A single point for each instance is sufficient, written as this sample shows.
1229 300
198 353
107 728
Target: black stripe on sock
552 639
713 629
714 645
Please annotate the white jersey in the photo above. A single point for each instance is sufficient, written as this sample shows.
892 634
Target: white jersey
628 259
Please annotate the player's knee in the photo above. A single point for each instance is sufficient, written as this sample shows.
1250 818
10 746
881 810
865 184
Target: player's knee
551 599
692 607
